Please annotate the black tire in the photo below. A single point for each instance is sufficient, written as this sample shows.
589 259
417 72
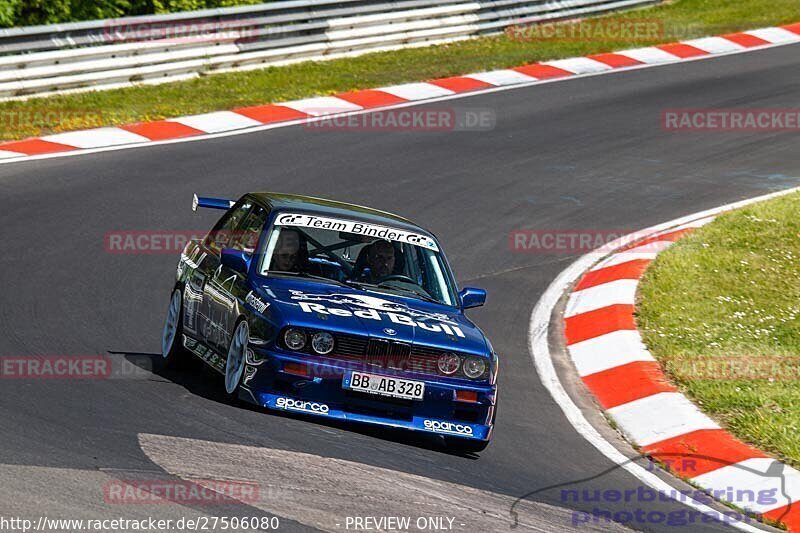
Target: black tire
241 334
173 354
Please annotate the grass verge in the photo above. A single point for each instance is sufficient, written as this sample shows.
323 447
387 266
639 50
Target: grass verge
721 310
681 19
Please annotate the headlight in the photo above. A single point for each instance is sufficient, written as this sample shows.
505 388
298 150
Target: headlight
295 339
322 342
474 367
448 363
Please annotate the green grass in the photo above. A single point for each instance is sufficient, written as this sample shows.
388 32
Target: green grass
680 19
730 293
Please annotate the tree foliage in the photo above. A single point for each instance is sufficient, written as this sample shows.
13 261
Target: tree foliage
34 12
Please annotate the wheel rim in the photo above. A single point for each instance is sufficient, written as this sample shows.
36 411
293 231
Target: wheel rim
234 367
171 324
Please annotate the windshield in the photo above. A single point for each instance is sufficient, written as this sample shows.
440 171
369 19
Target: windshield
362 255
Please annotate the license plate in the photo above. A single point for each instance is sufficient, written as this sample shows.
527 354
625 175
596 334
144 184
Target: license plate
385 386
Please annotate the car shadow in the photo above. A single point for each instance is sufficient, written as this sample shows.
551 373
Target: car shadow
201 380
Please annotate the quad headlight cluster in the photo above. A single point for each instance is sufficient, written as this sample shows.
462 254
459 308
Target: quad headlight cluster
323 343
297 339
472 367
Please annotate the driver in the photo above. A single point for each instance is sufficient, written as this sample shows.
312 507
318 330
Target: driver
380 260
286 257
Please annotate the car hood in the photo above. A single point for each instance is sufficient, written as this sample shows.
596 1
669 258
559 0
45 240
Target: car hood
307 303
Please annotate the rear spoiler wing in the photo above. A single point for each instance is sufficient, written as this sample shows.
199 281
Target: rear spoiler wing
211 203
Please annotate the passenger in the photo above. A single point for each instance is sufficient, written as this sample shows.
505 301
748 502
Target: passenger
287 256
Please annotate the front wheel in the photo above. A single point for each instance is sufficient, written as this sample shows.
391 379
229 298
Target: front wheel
237 354
172 350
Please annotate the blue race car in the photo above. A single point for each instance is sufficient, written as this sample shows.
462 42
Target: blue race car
334 310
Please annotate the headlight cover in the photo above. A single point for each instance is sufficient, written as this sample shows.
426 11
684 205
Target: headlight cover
295 339
322 342
448 363
474 367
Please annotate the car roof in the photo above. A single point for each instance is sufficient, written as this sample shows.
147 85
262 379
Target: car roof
332 208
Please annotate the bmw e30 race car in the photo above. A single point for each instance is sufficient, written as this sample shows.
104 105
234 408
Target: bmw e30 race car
334 310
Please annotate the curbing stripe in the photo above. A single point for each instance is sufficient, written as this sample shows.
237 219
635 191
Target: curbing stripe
745 40
416 91
608 351
775 35
578 65
499 78
788 516
627 383
243 119
699 452
757 474
540 71
630 385
541 351
600 322
94 138
659 417
651 55
632 269
461 84
370 98
35 147
616 60
683 50
322 105
160 130
217 121
621 291
646 252
267 114
714 45
794 28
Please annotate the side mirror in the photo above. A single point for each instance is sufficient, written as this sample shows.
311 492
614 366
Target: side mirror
236 260
472 297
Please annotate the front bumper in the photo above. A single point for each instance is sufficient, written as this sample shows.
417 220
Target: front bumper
272 380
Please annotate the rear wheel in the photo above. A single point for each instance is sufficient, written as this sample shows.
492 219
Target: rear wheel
172 336
234 365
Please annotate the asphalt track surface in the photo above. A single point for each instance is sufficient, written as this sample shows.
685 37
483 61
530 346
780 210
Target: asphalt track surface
581 154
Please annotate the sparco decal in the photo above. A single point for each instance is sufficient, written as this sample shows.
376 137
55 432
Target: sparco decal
299 405
357 228
255 302
448 427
